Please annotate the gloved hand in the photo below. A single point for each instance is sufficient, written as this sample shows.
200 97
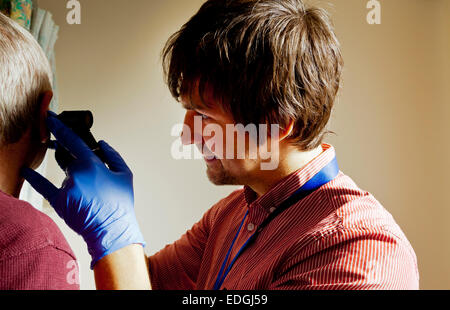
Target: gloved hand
97 202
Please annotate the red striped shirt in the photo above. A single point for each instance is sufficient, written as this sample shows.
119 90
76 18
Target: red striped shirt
338 237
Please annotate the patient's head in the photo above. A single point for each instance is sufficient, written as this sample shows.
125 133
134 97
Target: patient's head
25 91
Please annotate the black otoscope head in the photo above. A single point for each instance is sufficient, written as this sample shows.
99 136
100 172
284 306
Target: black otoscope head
81 123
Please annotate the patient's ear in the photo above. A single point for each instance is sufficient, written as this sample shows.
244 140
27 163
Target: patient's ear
45 99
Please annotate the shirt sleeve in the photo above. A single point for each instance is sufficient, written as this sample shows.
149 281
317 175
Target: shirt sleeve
176 267
46 268
352 260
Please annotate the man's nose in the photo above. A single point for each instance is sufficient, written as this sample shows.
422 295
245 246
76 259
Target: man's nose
189 135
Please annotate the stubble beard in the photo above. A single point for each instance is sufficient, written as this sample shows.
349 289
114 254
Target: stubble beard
218 175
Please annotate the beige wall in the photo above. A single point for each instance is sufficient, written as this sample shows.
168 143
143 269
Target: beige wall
391 120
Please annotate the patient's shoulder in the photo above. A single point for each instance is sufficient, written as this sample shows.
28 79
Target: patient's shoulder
24 229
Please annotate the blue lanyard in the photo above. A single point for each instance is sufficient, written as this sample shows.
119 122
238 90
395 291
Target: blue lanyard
327 174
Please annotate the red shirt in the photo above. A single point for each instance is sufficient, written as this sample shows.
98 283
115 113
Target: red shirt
34 255
338 237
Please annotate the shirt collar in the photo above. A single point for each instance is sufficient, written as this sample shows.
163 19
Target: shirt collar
284 188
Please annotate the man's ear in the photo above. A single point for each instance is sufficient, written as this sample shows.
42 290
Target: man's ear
284 133
45 98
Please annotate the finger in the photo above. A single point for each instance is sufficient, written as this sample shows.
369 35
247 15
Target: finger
40 184
67 138
113 158
62 156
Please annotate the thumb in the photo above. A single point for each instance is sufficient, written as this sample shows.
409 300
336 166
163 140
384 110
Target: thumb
113 158
40 184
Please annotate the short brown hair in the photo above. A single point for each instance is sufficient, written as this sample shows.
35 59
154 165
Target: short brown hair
266 61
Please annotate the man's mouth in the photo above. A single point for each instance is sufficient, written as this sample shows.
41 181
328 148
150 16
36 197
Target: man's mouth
208 155
210 158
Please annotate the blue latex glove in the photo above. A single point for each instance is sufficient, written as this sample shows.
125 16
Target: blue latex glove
97 202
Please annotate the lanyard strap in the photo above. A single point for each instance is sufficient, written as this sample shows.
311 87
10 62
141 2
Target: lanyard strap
327 174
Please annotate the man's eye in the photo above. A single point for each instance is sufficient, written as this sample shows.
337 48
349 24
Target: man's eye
203 116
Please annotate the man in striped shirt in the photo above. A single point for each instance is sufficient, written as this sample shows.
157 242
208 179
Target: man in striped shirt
273 62
301 224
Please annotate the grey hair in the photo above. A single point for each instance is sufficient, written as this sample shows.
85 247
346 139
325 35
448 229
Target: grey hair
25 74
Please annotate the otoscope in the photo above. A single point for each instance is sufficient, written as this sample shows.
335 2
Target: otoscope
81 123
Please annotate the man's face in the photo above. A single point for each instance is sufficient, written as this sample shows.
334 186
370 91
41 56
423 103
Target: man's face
223 168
